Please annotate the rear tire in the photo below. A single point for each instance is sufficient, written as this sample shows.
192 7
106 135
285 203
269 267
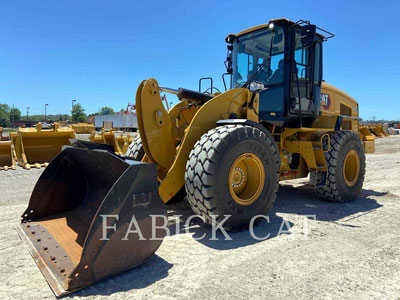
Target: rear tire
135 149
221 154
346 167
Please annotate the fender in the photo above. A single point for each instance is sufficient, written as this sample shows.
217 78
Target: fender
245 122
252 124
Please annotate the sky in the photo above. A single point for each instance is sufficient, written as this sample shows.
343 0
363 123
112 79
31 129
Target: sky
98 52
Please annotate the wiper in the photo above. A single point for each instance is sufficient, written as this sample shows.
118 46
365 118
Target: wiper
240 82
266 62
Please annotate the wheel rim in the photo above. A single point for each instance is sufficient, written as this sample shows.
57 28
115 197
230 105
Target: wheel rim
351 168
246 179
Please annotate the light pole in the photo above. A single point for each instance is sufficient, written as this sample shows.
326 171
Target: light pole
27 113
45 112
170 104
72 108
13 123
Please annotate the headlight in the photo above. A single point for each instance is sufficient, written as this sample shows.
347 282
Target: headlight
256 86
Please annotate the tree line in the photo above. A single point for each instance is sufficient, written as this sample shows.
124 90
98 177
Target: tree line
9 115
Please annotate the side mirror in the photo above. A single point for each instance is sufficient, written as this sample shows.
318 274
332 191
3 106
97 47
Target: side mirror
308 35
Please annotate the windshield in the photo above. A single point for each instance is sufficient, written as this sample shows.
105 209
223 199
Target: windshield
250 52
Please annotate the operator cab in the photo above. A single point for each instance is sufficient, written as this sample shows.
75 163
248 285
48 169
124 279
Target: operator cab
283 60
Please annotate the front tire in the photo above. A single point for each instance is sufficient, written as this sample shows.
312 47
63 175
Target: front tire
346 167
233 170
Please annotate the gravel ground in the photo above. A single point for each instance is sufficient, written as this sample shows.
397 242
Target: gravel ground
351 251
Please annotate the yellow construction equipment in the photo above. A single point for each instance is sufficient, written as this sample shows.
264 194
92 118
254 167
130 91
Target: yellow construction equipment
83 127
277 121
3 138
377 130
120 142
36 147
7 152
7 155
367 138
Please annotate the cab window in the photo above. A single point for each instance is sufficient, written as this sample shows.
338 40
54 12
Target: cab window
318 64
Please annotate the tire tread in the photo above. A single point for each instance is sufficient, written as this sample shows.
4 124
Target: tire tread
202 163
331 190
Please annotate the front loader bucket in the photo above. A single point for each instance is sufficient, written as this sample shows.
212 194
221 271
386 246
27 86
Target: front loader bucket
63 224
91 145
7 155
119 142
36 148
364 131
83 128
374 130
367 138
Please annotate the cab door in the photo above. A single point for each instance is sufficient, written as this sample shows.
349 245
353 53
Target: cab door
272 99
305 80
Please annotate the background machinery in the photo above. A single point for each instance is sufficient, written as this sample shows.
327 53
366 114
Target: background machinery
228 151
33 146
36 147
125 120
7 152
83 127
120 141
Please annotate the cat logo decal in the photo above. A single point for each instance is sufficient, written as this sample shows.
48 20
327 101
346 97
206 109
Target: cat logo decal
325 101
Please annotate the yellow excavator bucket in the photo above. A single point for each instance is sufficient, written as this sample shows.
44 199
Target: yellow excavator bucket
367 138
124 141
377 130
363 131
120 142
97 138
36 147
63 225
83 128
7 155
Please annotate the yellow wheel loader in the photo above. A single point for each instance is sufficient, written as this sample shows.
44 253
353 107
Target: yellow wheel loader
277 120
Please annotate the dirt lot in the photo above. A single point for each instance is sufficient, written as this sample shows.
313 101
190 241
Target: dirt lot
352 250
